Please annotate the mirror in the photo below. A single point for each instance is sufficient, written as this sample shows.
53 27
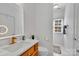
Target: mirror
10 20
7 25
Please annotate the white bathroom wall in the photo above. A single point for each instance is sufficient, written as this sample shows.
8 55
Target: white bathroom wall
38 21
29 19
9 9
69 17
20 19
76 29
69 20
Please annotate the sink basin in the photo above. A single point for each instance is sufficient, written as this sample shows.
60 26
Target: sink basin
16 47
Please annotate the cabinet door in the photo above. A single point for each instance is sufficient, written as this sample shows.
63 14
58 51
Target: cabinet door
29 52
33 51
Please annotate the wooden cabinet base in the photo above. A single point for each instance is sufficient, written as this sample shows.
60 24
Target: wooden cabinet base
33 51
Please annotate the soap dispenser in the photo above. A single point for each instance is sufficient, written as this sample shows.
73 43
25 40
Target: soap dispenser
33 37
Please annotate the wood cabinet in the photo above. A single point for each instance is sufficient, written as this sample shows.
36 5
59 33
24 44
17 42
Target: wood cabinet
33 51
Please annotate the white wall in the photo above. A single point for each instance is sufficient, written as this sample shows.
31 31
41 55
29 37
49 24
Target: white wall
69 20
29 19
20 19
76 42
38 20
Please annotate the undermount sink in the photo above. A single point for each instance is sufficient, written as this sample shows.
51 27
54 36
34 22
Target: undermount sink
15 47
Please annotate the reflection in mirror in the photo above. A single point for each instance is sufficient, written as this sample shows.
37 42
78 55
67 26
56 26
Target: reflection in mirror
3 29
10 20
7 25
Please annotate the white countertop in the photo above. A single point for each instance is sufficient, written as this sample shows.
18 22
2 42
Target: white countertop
17 48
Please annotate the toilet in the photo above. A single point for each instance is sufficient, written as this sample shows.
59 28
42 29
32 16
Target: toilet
43 51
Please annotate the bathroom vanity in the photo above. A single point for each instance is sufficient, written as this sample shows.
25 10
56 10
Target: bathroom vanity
26 47
33 51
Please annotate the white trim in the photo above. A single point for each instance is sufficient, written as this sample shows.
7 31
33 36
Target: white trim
10 36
